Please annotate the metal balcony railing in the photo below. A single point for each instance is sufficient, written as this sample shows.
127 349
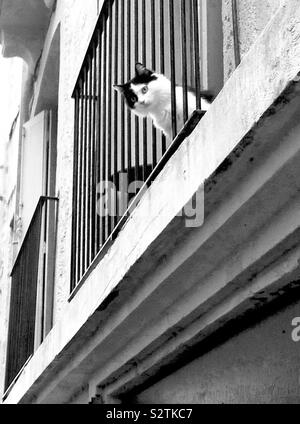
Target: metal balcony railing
109 140
29 267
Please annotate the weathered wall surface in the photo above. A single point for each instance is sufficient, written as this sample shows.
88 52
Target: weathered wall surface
253 16
77 20
9 139
260 365
82 398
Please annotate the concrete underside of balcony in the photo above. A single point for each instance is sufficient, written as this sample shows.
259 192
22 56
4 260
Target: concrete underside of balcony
163 288
23 26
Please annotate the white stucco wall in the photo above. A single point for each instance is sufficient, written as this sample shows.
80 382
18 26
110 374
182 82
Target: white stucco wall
10 88
260 365
253 16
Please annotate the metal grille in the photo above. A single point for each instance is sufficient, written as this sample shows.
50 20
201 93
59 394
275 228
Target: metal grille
23 297
109 140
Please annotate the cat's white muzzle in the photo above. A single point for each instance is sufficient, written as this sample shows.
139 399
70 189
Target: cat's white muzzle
141 108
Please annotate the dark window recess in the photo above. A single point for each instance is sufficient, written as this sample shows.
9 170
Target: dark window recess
28 268
108 139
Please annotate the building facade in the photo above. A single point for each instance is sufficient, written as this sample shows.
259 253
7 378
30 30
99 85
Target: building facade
189 294
10 87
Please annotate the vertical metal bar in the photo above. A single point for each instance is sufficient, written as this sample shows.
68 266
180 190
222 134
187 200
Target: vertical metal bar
123 139
173 71
75 192
116 152
162 36
99 139
184 61
89 164
197 54
144 56
94 152
109 168
153 33
44 217
191 45
104 127
236 38
109 147
84 174
162 58
153 61
92 156
136 56
129 151
80 193
122 54
108 164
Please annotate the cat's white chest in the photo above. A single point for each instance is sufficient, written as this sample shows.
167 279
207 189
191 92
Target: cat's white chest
162 120
162 116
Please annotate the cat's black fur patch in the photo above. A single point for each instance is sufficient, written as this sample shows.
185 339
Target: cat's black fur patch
130 96
142 76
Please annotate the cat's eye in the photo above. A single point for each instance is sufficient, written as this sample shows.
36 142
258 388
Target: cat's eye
144 89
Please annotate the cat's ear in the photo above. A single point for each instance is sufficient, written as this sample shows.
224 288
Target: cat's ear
140 70
120 88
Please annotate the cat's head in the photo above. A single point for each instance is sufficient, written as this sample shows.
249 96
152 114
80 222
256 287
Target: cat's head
139 92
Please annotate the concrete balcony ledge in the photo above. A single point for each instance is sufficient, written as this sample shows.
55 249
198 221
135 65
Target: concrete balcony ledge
23 25
162 288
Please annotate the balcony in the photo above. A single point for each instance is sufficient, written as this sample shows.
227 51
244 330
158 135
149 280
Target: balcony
28 304
109 142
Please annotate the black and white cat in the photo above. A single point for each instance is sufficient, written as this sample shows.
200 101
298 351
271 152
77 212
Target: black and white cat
149 94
